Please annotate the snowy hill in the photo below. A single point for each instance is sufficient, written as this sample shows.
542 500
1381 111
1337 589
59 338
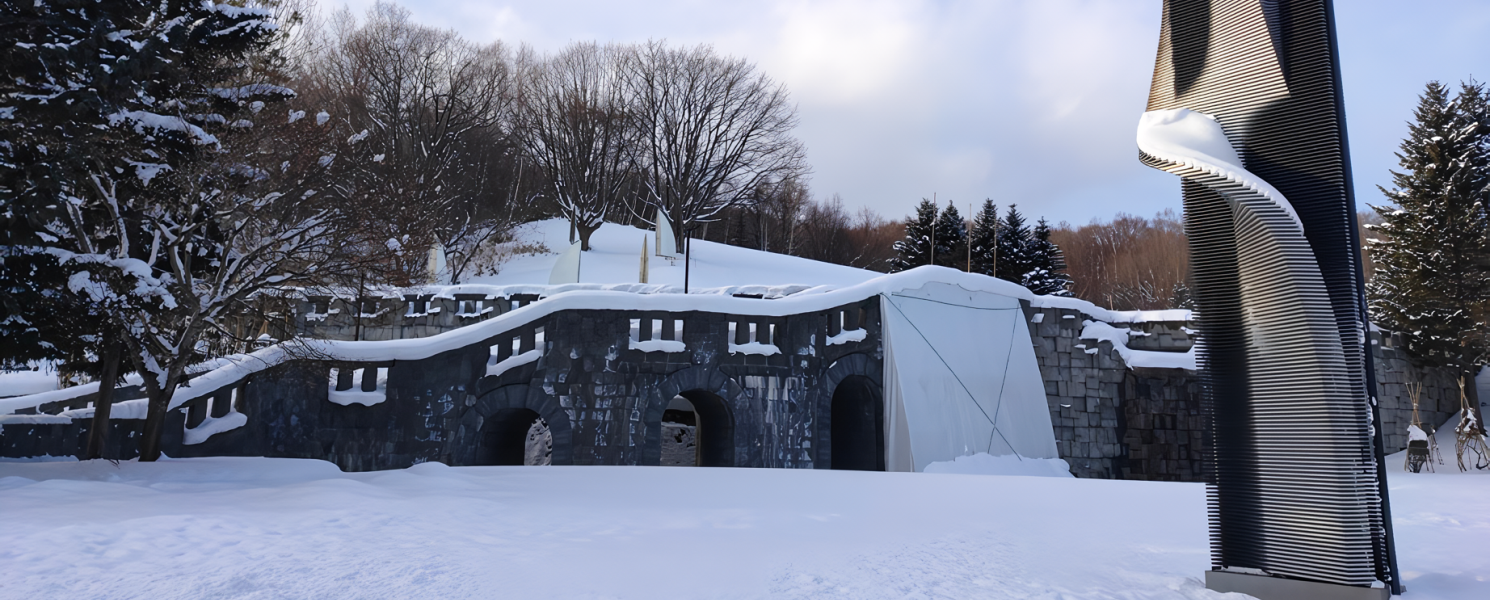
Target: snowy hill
615 257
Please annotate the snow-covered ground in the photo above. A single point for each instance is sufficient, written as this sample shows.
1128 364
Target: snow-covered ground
279 528
615 257
20 383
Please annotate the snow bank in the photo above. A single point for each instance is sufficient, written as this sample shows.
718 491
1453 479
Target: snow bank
983 463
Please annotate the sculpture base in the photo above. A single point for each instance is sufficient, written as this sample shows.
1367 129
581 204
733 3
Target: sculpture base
1278 588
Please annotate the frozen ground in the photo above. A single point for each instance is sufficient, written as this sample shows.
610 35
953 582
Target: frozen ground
277 528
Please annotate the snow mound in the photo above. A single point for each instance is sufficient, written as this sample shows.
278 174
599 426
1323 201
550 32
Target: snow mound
983 463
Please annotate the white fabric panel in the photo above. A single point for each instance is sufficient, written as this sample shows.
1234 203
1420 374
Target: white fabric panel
898 455
667 245
566 269
961 369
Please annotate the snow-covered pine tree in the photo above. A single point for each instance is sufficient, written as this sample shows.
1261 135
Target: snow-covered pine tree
983 239
171 196
1047 274
1013 247
915 249
951 239
1431 283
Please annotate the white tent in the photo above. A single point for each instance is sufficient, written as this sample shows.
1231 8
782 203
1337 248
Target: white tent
960 378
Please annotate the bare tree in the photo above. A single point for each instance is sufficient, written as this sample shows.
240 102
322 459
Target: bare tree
873 240
573 122
433 109
825 232
712 130
1129 263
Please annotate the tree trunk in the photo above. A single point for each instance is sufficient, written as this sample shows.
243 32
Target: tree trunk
98 434
155 418
584 235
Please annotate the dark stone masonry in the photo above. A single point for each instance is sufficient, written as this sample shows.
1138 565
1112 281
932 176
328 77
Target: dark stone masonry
602 379
763 389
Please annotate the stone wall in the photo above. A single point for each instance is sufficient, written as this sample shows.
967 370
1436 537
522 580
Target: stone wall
1440 395
604 397
593 378
1115 422
1165 433
1083 383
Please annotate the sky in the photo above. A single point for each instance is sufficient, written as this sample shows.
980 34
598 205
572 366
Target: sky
1028 102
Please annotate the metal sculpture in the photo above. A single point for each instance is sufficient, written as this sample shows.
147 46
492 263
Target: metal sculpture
1467 437
1422 446
1245 107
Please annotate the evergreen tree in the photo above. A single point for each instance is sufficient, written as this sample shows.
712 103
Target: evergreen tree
1431 282
159 197
915 249
1047 274
951 239
983 239
1014 241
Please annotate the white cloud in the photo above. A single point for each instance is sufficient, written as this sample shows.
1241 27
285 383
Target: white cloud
1034 101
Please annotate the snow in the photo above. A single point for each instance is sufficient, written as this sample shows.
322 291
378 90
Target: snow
263 528
983 463
659 346
755 348
846 336
356 395
1102 332
615 257
516 360
21 383
128 409
212 426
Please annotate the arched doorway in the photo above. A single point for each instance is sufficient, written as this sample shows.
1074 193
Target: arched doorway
515 436
699 421
857 425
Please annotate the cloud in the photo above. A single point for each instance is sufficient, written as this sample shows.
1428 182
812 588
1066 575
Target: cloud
1032 102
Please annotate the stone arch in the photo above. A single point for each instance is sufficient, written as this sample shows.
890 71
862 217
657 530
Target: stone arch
865 371
503 401
710 392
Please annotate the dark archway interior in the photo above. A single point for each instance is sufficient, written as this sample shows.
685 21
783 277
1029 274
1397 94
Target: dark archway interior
857 426
504 437
716 429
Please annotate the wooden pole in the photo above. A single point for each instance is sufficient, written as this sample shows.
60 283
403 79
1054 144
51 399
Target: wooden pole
931 252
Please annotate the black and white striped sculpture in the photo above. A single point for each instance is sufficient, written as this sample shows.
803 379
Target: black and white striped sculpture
1245 107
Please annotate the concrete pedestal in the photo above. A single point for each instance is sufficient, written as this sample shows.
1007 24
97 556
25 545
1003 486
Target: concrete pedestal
1278 588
